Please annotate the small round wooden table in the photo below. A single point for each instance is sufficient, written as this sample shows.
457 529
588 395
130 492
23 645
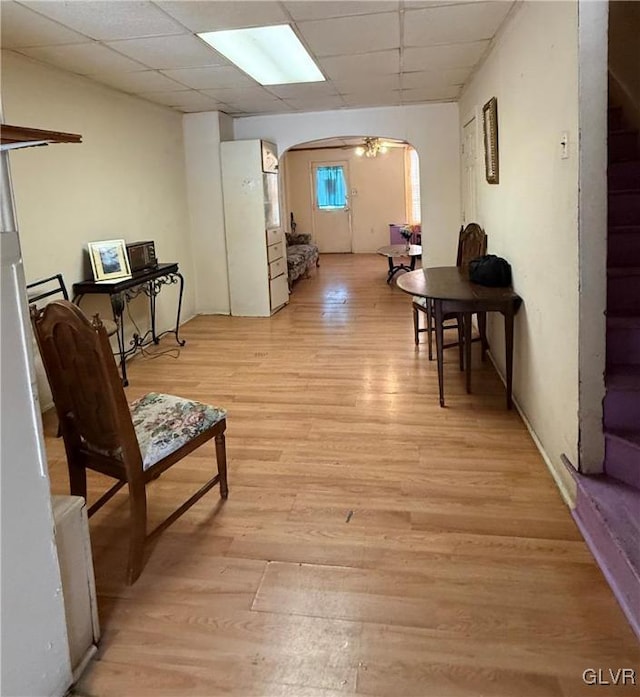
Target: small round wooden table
450 290
400 250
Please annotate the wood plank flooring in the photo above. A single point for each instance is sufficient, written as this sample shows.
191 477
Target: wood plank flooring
372 543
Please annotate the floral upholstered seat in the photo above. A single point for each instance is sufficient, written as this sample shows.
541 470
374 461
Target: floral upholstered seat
302 255
420 301
164 423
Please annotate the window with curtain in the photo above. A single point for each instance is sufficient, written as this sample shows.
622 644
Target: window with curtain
331 190
412 175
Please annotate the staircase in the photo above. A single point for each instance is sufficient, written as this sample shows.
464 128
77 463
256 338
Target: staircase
608 506
622 403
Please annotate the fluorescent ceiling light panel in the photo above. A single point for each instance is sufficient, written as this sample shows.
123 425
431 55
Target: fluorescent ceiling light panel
271 55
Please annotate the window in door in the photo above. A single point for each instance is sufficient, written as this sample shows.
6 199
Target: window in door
331 189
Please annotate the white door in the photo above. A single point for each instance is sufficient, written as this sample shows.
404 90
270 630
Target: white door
331 210
469 182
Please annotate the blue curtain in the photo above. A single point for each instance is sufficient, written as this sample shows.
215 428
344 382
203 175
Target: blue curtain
331 191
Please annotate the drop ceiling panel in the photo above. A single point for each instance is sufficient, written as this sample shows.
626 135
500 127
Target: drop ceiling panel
371 85
306 10
105 19
430 94
366 99
180 51
23 28
210 78
277 107
240 94
254 104
444 56
193 99
201 16
311 89
453 23
166 98
345 67
349 35
428 78
149 48
139 82
84 59
316 104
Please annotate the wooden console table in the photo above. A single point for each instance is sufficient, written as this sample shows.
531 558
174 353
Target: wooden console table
121 291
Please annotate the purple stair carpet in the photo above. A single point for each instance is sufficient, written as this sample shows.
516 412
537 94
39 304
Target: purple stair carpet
608 515
608 506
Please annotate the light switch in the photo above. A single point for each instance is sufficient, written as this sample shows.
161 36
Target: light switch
564 145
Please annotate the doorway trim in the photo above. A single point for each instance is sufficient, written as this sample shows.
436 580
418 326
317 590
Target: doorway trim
593 24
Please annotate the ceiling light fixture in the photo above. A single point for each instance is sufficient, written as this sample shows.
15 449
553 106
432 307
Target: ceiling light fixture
371 147
271 55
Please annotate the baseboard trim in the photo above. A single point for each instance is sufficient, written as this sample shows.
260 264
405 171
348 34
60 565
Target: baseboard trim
564 481
604 567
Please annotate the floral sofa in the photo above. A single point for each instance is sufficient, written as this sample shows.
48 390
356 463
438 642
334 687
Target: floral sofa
302 255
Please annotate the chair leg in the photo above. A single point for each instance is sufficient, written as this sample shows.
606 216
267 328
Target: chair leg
138 530
416 324
429 309
221 457
78 481
482 327
460 321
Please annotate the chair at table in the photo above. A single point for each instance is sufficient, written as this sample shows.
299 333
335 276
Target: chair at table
472 243
132 443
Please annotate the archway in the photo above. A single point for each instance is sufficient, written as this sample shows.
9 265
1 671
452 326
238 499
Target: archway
351 193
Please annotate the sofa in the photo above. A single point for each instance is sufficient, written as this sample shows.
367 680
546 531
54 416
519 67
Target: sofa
302 255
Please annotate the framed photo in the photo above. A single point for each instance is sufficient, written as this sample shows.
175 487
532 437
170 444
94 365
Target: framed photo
490 123
109 260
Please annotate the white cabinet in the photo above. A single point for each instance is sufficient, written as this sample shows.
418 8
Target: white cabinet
256 256
78 585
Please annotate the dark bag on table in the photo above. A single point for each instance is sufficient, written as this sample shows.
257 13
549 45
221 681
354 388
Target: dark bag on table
490 270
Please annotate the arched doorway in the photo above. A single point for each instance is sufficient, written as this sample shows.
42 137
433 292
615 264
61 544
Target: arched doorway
348 191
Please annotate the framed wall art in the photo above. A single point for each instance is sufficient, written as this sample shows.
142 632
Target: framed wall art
109 260
490 123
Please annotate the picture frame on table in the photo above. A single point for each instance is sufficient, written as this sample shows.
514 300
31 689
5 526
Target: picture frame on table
490 124
109 260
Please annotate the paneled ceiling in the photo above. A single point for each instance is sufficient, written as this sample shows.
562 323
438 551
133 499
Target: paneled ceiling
373 53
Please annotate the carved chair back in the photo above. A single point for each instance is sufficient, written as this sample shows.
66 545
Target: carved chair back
87 391
472 243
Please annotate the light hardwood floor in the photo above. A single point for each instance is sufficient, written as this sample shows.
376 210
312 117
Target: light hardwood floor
372 543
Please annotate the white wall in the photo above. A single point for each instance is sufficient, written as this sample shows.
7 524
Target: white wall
125 180
379 201
531 216
202 136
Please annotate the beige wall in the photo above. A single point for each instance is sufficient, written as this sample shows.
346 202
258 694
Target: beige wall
377 192
126 179
531 216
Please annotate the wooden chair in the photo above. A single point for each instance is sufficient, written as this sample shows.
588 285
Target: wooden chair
131 443
472 243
